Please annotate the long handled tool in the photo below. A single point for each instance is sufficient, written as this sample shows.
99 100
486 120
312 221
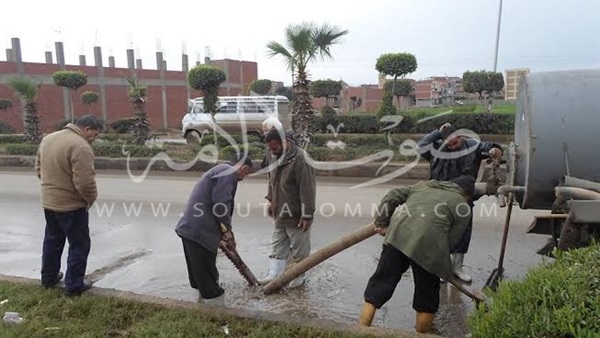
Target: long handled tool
239 264
496 275
237 261
332 249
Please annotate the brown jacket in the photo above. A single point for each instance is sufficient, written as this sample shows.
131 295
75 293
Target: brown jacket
292 188
65 165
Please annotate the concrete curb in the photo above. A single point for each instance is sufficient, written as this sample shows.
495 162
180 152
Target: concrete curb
220 310
420 171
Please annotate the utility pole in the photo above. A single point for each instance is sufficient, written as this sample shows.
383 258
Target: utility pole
497 36
496 51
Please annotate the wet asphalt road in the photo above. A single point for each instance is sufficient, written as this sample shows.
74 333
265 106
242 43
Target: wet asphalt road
134 246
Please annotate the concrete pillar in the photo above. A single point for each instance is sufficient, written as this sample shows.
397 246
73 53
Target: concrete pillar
98 56
101 80
10 56
111 62
82 60
49 57
159 60
130 59
60 60
227 83
16 52
185 67
242 78
138 64
161 65
60 54
184 63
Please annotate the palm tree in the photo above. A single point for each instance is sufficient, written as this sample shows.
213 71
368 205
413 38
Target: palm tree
138 95
305 42
28 91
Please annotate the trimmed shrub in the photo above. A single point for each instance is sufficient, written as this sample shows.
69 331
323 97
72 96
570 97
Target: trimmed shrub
481 123
25 149
6 128
11 138
255 152
116 150
238 138
100 150
112 137
122 126
559 299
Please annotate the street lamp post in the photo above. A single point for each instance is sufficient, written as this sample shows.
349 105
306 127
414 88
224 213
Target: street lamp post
496 51
497 36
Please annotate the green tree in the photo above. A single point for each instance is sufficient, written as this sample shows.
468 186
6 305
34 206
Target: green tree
72 80
481 82
402 87
305 43
261 87
397 65
5 104
28 92
138 95
325 88
88 98
284 91
387 105
208 79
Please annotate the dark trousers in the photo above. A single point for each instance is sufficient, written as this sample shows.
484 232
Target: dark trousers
61 226
463 244
202 269
392 264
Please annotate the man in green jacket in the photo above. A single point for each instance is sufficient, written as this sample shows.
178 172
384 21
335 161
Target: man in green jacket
291 203
419 234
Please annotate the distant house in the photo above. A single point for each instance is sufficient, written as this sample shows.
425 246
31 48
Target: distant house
511 82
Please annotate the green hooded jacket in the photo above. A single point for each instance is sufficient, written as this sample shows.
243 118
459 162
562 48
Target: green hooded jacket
292 188
425 221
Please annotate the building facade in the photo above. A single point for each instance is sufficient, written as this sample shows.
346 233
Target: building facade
511 82
168 90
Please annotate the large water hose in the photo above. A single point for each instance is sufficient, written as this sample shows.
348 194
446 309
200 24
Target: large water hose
332 249
318 257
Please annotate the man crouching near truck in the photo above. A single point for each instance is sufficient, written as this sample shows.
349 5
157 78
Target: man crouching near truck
432 219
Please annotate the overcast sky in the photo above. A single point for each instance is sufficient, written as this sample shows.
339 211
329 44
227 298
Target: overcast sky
447 36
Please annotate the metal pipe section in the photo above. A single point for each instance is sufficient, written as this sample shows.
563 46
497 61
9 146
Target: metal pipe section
505 189
569 181
576 193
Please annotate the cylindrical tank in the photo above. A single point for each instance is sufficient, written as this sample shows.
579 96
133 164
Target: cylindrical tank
557 133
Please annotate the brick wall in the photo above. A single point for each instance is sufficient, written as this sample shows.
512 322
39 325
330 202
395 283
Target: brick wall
52 108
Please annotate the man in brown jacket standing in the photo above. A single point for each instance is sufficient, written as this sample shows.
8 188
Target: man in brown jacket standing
291 195
65 166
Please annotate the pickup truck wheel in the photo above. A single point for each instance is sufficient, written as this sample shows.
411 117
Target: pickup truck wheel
192 137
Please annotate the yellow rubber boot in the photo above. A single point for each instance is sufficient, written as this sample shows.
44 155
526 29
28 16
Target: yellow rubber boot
424 322
366 314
